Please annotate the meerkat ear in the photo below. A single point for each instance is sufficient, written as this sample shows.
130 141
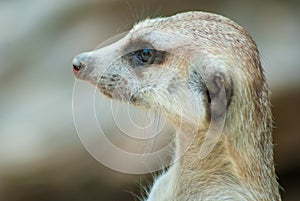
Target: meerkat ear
219 91
219 94
216 88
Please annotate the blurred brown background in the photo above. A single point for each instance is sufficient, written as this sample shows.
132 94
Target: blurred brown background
41 156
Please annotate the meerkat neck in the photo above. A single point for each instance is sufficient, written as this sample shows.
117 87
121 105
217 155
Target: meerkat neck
224 169
242 156
189 154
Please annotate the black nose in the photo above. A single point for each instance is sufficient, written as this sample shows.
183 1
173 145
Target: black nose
79 62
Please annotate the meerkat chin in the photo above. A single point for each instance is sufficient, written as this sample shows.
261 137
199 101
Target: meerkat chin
203 70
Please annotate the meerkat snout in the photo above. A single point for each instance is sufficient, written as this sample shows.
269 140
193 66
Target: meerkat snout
80 62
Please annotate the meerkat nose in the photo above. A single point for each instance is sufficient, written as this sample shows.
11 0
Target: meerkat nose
79 62
76 65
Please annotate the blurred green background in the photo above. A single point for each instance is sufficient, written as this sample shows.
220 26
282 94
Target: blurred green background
41 156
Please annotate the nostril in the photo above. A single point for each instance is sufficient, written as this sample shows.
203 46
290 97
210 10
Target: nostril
77 67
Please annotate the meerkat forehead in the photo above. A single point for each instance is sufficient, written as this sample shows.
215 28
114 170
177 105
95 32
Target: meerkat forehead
199 32
186 19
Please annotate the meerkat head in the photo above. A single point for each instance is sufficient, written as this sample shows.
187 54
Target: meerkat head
189 64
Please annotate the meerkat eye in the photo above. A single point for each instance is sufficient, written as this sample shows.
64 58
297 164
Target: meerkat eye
145 57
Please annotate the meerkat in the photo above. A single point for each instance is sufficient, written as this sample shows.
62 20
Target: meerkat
203 69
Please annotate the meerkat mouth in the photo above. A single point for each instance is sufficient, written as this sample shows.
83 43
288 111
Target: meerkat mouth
107 93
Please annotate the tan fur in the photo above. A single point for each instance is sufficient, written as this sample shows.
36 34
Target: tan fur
240 166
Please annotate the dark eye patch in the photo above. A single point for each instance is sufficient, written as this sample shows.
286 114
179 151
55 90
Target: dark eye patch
144 57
